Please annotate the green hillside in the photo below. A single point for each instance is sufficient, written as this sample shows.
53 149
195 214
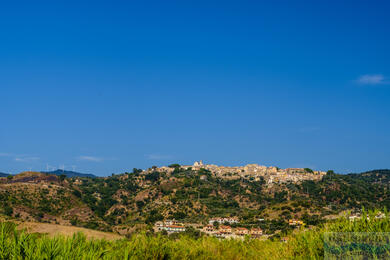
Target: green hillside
137 200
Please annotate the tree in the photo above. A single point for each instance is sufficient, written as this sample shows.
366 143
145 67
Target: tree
8 210
308 170
192 232
77 193
153 176
136 171
62 177
140 204
73 221
153 217
179 215
216 224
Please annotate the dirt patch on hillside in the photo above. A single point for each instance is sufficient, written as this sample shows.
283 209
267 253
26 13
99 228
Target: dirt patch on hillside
54 230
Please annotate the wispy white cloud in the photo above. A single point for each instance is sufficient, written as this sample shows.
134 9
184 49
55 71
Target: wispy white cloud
20 157
158 157
90 158
26 159
371 79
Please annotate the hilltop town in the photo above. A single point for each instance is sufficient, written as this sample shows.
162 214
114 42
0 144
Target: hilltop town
253 172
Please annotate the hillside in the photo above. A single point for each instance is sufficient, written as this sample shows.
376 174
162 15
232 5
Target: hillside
3 174
70 174
315 243
35 196
131 201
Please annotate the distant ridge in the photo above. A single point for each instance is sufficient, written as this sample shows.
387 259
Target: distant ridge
378 171
71 174
2 174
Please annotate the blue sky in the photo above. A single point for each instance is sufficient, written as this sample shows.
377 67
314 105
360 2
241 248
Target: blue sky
106 86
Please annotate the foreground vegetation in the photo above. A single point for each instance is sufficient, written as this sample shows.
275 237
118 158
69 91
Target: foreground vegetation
307 244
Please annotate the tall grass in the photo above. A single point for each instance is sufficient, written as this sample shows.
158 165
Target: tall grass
303 245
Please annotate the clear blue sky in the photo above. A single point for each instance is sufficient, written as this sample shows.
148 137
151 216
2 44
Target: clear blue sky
106 86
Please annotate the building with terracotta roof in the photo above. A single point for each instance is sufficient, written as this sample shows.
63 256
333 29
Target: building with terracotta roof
256 232
225 229
170 226
208 229
241 231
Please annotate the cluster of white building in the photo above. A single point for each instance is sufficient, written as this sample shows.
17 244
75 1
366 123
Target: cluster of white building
221 230
232 220
379 215
224 231
171 226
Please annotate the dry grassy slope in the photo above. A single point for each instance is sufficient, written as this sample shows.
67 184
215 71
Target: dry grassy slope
32 193
55 230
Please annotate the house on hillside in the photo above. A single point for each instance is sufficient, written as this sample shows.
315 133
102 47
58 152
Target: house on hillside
284 239
159 224
168 222
354 217
171 222
170 226
225 229
219 235
211 221
173 229
208 229
169 229
256 232
241 231
294 222
380 215
230 220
